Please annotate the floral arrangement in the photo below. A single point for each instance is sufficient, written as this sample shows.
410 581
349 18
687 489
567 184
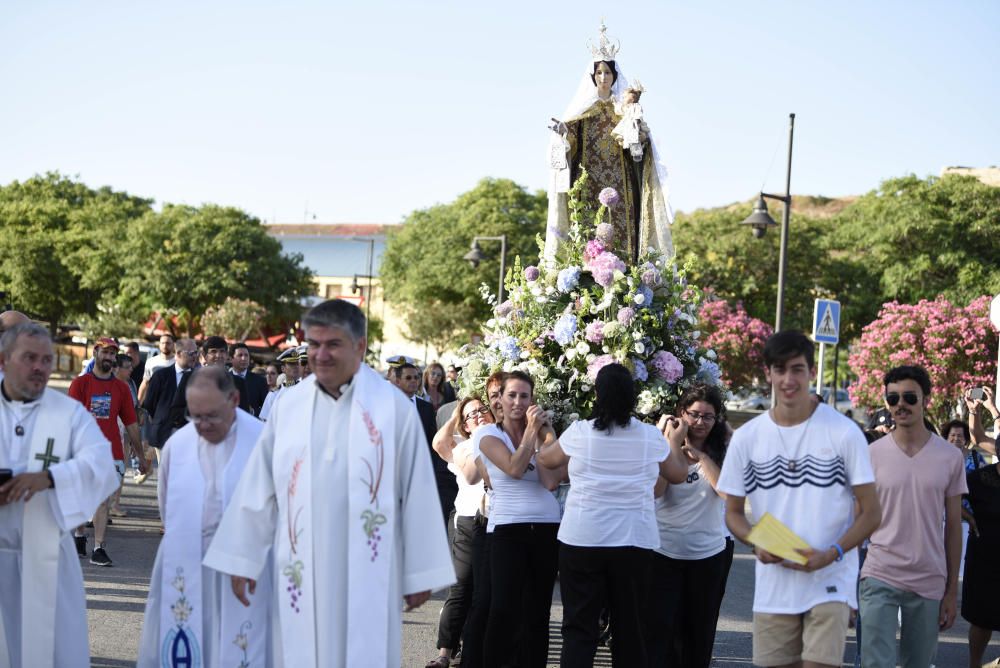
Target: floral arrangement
956 344
565 320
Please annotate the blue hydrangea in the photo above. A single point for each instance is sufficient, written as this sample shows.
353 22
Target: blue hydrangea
565 328
647 296
640 373
568 279
508 348
708 371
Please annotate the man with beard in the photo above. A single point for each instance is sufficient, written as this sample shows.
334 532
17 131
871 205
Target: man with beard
153 364
911 566
107 399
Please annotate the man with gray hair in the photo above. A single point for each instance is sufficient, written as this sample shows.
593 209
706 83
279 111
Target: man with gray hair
340 487
55 469
199 470
10 319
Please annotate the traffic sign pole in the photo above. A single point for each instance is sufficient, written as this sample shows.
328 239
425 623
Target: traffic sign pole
819 369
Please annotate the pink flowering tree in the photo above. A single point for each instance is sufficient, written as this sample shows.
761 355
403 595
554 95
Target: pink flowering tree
736 338
956 344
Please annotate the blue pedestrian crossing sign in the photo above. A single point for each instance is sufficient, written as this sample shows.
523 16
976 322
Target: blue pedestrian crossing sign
826 321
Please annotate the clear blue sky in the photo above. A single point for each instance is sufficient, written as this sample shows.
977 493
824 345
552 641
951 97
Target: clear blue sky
363 112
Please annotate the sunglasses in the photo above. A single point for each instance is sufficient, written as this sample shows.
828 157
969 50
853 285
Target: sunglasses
911 398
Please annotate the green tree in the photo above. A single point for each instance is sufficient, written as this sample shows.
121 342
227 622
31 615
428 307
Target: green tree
724 256
920 238
185 259
233 318
423 272
60 244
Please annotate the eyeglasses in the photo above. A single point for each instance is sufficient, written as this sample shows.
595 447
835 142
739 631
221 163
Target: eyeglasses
696 417
482 411
204 419
892 398
188 353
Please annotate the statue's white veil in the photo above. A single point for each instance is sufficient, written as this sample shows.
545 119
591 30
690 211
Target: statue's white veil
583 100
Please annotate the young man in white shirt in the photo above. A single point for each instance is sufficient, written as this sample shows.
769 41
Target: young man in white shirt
805 464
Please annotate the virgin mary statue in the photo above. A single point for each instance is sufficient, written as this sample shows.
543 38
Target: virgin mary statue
584 138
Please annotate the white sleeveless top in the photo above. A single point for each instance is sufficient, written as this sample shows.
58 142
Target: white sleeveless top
515 500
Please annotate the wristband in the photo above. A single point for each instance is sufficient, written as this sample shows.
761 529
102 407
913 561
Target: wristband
840 552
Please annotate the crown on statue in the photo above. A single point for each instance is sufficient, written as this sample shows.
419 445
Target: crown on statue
605 49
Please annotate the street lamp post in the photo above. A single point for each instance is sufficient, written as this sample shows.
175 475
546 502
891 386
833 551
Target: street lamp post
354 284
760 220
475 256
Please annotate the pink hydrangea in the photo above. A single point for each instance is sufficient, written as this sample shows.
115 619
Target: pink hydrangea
626 315
595 332
608 197
593 249
667 366
603 268
599 363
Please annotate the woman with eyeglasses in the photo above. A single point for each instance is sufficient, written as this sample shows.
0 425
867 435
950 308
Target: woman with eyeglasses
692 562
437 390
451 443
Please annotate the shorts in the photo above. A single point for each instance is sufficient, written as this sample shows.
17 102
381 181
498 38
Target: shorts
818 634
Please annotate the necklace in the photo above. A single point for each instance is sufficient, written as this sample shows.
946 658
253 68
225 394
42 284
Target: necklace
792 463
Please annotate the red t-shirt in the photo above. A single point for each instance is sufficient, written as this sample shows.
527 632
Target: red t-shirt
107 399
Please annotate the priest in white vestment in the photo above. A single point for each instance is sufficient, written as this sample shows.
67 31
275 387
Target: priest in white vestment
62 469
341 487
191 611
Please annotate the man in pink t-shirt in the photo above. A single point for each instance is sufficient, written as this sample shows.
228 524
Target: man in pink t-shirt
912 563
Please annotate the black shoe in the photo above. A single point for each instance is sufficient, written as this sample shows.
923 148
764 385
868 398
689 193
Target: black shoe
81 545
100 557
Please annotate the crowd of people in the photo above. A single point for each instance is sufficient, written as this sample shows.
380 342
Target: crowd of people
318 496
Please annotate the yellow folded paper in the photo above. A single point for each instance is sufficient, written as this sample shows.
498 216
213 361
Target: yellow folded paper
771 535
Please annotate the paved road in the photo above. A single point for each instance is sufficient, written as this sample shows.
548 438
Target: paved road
116 597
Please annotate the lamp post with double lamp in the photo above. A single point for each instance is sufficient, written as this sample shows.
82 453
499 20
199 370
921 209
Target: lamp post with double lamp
760 220
475 256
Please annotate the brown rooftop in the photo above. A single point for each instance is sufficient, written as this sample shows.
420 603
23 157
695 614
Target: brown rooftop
327 230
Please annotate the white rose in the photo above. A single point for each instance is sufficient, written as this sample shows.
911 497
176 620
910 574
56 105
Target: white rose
585 388
536 290
570 353
525 354
491 323
590 358
541 300
710 354
549 290
639 299
501 321
639 347
583 348
695 334
636 335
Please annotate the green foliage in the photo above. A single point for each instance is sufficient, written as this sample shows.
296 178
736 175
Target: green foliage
105 257
60 244
233 318
920 238
725 257
423 272
185 260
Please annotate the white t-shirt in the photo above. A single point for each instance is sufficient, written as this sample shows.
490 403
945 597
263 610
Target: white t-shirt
688 518
469 497
155 363
815 500
610 502
515 500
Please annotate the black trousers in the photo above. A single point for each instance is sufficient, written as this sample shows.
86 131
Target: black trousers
523 563
479 612
592 578
683 608
456 608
